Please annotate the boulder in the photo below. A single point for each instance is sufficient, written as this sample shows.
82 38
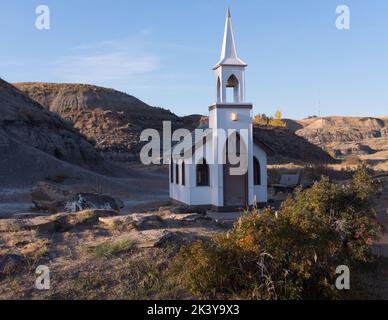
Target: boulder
51 198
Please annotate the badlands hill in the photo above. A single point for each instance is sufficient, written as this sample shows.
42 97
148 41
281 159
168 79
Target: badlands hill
35 142
111 119
114 121
363 137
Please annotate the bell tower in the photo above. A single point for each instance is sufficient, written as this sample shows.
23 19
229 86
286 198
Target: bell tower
230 70
231 113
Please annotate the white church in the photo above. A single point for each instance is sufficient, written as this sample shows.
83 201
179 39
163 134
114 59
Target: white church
205 177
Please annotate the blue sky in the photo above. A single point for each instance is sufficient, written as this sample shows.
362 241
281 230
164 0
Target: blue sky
163 51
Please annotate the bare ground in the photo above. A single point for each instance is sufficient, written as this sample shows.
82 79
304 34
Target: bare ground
81 269
93 262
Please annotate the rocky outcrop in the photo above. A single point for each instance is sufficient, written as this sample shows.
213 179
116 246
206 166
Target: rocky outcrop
65 221
44 224
164 218
55 223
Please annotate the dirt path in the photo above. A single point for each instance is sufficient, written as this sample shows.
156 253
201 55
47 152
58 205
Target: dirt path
139 187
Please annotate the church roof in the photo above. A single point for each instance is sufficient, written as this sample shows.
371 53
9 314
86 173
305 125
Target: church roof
229 55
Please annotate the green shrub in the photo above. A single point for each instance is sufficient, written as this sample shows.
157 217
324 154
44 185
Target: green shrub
289 254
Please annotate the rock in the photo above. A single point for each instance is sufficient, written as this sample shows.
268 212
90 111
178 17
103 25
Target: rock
150 238
44 224
136 220
49 197
54 199
83 201
66 221
10 264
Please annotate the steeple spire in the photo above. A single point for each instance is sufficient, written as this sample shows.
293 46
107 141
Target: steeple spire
229 52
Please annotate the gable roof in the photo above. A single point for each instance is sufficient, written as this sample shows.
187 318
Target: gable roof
195 144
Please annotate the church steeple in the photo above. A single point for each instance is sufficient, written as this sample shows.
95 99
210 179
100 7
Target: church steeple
230 71
229 52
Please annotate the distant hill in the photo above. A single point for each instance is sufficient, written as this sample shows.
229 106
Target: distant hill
35 142
344 136
353 138
112 119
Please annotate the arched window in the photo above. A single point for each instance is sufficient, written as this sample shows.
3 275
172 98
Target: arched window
177 173
233 89
203 174
172 171
183 174
256 172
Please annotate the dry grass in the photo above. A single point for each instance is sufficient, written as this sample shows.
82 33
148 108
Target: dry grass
109 249
35 251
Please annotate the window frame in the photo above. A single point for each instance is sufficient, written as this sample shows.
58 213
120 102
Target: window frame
183 174
202 165
172 171
177 173
257 181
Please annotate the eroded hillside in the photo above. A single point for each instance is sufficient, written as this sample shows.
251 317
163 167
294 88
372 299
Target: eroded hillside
112 119
366 138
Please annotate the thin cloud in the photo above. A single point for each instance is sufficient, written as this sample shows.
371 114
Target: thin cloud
105 66
108 61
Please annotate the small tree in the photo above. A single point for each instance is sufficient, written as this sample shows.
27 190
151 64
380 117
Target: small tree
261 119
277 121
